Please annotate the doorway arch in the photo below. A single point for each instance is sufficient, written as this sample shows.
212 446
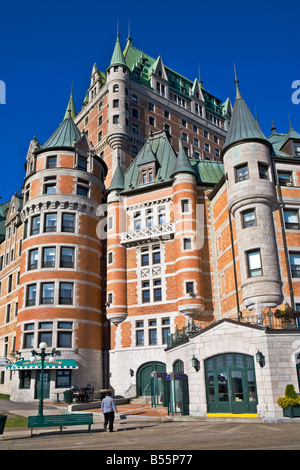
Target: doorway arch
143 376
230 383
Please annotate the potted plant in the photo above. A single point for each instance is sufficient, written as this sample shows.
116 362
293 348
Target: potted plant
287 314
290 403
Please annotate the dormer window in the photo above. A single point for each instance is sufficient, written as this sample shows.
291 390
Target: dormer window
147 174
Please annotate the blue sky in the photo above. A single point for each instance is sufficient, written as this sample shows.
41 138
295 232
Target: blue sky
45 46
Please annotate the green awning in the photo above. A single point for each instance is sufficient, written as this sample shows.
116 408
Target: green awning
56 364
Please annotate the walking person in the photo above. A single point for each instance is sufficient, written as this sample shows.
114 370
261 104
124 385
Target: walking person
108 408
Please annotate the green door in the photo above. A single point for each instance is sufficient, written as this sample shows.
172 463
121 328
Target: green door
143 377
46 384
230 384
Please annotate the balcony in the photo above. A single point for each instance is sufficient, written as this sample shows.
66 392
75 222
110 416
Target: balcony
165 232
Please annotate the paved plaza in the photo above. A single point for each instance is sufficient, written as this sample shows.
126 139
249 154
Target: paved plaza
142 428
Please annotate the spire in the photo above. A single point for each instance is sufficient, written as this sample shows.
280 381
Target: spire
118 56
200 81
182 164
71 106
67 132
243 126
117 181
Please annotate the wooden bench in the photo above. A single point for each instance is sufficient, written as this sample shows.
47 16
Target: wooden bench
60 421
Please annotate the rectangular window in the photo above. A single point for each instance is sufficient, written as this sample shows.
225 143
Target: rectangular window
25 379
33 259
52 162
66 293
68 223
7 316
63 379
35 225
135 113
115 119
151 121
64 335
161 215
115 103
248 218
242 173
295 264
82 163
189 287
156 255
48 257
139 333
254 263
187 243
285 178
145 292
28 340
31 295
152 336
50 222
47 294
50 188
185 206
137 221
67 257
263 171
135 128
157 293
82 191
140 337
291 219
9 285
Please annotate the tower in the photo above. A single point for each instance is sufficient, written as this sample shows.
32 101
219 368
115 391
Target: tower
117 77
190 296
251 201
60 292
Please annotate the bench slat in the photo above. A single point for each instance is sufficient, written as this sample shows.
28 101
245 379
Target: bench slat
60 420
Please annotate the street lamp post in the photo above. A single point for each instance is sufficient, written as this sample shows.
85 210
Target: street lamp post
42 355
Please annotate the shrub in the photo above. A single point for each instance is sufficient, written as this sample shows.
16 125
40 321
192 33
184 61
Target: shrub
291 398
290 391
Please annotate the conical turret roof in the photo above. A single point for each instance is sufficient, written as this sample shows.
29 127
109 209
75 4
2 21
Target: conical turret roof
65 135
117 181
243 126
182 164
118 56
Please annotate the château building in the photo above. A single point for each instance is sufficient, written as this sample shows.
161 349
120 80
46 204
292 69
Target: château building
157 230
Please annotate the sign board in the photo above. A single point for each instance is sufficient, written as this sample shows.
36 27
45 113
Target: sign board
4 362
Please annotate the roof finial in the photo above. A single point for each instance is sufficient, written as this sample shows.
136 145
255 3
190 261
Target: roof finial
273 128
129 37
118 29
290 122
200 81
238 94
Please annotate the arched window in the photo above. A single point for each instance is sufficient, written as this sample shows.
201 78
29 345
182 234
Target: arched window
178 366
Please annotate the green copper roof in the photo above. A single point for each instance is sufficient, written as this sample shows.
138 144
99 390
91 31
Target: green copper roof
65 134
182 164
71 107
168 164
141 66
118 57
243 126
117 181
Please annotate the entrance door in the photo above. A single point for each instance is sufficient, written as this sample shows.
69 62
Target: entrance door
230 384
143 377
46 384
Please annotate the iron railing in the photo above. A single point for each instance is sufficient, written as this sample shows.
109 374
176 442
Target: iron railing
267 320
